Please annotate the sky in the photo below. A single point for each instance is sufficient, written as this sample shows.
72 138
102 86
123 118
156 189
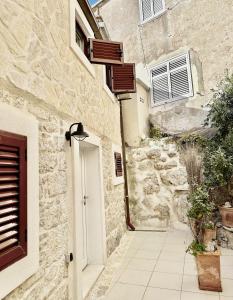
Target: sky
92 1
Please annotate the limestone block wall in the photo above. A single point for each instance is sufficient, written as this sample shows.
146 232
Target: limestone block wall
158 185
41 75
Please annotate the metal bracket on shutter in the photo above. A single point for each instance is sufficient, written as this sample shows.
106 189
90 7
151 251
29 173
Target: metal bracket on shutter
120 52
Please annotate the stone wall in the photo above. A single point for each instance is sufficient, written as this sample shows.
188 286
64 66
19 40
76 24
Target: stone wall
41 75
158 185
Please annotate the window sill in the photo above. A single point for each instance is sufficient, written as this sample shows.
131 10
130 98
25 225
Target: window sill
172 100
118 180
153 18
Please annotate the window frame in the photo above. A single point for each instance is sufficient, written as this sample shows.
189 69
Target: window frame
190 80
82 37
154 16
106 88
76 14
22 123
17 252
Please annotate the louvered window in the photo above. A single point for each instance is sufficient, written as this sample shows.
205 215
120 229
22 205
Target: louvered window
106 52
118 164
13 198
121 78
151 9
171 80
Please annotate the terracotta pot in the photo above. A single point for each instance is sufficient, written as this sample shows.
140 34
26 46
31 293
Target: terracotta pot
227 216
209 235
209 275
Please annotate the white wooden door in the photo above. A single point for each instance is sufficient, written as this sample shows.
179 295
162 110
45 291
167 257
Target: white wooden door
84 200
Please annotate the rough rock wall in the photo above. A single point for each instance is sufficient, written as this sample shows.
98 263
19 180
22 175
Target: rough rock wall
158 185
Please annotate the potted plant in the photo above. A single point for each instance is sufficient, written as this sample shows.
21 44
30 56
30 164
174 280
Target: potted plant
204 246
209 232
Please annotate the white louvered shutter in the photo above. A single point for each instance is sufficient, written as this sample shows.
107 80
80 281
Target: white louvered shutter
160 84
179 77
147 11
158 6
171 80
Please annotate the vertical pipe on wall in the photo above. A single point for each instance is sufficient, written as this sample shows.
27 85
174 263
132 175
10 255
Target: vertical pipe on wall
127 210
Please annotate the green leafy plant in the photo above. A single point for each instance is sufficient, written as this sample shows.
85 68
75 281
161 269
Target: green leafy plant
208 225
200 205
196 248
156 133
218 167
221 109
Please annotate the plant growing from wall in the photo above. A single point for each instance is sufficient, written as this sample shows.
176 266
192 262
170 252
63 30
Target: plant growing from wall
193 139
156 133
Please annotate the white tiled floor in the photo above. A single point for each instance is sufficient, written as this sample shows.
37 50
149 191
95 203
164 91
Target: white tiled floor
156 267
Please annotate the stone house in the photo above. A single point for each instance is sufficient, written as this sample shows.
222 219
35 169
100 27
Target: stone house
181 49
61 201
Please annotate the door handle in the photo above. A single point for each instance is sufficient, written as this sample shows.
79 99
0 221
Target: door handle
85 200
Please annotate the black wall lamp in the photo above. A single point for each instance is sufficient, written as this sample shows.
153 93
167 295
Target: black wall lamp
79 134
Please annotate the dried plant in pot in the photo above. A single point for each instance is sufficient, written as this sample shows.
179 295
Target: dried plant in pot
204 247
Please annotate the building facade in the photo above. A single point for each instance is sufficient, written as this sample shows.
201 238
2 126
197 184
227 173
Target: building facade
181 49
75 214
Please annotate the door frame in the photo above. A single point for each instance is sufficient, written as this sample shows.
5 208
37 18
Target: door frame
84 261
101 254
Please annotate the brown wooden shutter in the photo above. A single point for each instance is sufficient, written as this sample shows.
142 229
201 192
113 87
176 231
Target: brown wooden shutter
123 79
13 198
106 52
118 164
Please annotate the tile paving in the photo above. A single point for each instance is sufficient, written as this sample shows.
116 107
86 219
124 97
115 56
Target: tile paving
156 267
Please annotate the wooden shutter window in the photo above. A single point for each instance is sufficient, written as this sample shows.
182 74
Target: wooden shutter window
13 198
106 52
123 79
118 164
